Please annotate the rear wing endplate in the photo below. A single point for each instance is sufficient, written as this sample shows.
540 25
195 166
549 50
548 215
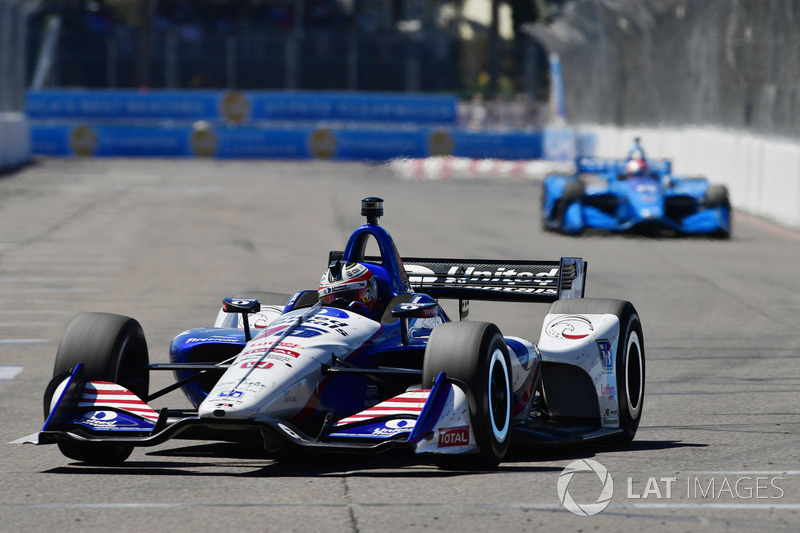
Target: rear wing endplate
504 281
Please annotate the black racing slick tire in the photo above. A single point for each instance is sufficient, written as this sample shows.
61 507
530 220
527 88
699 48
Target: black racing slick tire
111 348
629 359
573 192
474 355
717 196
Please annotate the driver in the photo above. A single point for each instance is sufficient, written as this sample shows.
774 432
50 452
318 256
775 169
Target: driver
351 286
636 167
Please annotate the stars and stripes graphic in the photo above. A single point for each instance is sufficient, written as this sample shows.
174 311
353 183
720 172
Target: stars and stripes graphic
102 394
409 403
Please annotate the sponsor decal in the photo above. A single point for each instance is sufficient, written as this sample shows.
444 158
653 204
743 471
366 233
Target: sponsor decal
322 143
230 394
262 365
440 143
334 312
203 141
393 427
457 436
306 332
213 339
606 358
100 419
608 390
235 106
502 279
430 312
570 327
514 281
83 140
286 351
281 358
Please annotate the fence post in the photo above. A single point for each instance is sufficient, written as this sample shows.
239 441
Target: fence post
230 62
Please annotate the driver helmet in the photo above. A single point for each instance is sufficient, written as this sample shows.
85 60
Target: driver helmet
636 167
351 282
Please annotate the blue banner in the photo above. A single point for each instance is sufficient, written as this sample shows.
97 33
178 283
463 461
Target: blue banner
354 107
237 107
497 145
202 139
122 104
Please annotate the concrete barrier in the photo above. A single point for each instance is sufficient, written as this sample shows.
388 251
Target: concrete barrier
762 174
15 141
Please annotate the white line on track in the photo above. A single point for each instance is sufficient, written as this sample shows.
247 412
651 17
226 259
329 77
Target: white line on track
24 341
8 372
524 506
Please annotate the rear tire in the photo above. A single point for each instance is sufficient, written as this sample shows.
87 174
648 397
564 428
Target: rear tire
474 355
112 348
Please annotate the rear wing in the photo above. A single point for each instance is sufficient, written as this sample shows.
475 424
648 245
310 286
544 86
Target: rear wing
503 281
600 165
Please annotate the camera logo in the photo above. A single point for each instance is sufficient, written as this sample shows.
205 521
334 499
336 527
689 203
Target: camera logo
585 509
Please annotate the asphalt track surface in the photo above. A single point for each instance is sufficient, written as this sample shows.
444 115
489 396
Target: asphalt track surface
163 241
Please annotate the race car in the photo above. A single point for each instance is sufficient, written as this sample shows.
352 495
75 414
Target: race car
634 194
369 361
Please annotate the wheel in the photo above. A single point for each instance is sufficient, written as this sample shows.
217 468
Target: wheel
717 197
474 355
111 348
573 192
629 359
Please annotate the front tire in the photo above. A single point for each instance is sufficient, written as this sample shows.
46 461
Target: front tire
573 192
717 197
112 348
474 355
629 358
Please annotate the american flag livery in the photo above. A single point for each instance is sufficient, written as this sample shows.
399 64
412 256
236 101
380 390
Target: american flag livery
104 394
409 403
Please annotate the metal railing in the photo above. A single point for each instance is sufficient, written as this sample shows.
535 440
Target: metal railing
726 63
14 16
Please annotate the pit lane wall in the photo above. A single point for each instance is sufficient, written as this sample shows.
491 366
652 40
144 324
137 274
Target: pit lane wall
15 141
762 174
274 124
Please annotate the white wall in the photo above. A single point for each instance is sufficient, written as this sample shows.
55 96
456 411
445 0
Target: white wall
762 175
15 140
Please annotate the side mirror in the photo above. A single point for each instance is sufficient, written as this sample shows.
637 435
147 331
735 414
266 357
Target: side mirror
408 310
412 310
245 306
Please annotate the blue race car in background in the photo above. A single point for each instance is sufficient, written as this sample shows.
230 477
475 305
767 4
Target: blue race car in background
634 194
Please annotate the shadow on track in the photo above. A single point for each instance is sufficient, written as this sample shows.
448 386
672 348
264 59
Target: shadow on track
225 459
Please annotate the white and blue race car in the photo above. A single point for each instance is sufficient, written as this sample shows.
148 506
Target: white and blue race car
296 373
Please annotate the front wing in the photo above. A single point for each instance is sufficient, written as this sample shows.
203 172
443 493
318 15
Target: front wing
427 421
